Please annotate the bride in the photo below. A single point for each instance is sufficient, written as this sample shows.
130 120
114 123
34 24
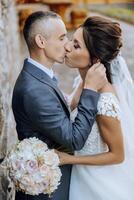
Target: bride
95 173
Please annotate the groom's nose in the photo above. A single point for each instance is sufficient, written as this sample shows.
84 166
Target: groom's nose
68 46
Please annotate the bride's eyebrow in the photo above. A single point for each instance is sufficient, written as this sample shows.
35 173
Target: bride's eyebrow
76 41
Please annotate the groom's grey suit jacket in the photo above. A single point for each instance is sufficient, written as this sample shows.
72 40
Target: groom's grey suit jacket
41 111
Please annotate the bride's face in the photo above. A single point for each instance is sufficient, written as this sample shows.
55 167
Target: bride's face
77 55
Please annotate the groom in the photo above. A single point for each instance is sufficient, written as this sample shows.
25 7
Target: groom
39 107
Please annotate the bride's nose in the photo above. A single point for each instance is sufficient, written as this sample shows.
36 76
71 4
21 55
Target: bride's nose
68 46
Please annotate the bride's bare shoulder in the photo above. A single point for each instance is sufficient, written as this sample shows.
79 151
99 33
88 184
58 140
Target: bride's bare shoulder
108 88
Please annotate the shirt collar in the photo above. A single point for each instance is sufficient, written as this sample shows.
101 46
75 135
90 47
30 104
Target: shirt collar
49 72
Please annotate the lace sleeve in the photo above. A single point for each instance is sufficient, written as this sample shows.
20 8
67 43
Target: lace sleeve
108 105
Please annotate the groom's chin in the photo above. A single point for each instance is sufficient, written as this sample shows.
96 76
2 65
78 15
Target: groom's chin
67 64
61 61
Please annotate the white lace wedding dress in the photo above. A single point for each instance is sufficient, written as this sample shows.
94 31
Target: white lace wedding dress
111 182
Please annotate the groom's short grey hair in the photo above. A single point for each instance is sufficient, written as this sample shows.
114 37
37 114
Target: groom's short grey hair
35 24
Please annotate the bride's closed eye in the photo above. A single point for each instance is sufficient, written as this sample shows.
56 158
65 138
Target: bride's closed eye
76 46
75 43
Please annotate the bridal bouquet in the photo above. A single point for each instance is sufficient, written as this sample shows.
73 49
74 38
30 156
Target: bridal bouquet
33 167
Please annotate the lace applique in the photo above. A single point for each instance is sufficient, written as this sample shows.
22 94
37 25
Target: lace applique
94 143
108 105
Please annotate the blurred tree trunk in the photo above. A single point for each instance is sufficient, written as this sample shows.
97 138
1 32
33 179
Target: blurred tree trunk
9 63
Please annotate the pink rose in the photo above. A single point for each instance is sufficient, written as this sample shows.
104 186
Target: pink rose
32 166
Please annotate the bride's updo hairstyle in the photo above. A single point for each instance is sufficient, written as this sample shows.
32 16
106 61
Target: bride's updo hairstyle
103 40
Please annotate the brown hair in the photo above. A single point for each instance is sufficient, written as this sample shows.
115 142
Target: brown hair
103 40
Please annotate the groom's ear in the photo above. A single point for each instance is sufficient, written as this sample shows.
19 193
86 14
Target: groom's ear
40 41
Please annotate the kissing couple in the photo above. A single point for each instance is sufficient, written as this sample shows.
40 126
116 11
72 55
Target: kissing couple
95 131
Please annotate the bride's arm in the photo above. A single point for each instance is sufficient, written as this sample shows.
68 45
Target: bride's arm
75 96
111 133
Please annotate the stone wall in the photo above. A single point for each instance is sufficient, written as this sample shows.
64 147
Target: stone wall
9 62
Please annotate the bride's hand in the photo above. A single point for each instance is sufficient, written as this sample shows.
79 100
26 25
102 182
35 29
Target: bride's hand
63 157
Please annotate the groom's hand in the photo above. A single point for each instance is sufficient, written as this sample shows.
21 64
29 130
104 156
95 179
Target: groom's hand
96 77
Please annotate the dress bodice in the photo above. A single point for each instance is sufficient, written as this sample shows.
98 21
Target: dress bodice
108 105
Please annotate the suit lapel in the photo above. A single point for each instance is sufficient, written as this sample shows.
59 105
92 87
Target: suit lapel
43 77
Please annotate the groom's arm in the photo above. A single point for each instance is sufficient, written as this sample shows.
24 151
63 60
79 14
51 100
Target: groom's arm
46 112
